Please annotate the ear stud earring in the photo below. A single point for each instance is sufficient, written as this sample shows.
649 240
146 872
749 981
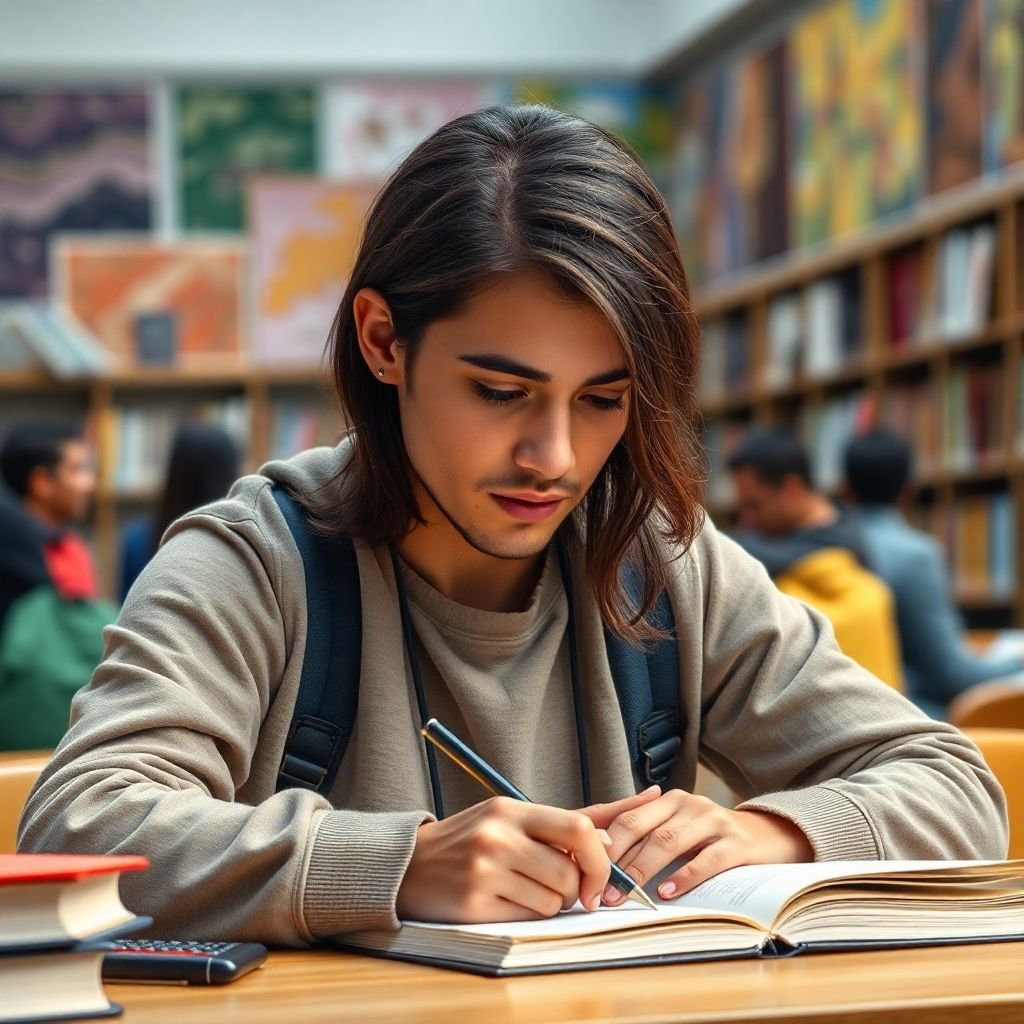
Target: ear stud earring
380 372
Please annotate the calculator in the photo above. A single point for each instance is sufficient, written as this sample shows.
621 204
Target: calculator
181 962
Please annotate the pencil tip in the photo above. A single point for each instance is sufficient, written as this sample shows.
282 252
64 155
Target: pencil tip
639 896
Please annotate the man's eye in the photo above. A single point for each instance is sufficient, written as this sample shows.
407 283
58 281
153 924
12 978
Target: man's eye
491 395
605 403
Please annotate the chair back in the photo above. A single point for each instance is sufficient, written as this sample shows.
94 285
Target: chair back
996 704
1003 749
858 604
18 773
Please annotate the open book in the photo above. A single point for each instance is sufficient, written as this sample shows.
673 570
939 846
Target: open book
750 911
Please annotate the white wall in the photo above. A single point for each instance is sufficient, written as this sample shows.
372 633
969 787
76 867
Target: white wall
110 39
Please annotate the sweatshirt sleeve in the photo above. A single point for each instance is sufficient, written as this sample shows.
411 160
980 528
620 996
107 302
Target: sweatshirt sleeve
162 743
798 729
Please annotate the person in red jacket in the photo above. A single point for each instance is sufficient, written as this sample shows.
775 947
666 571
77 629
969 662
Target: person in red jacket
48 470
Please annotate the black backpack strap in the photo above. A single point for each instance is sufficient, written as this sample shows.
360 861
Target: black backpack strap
325 708
647 685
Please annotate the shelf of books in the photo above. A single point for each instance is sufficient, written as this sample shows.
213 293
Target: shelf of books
130 416
918 327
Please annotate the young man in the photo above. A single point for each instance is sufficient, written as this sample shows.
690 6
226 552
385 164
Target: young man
936 664
515 353
812 549
783 516
47 469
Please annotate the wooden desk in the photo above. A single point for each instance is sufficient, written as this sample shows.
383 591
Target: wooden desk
951 985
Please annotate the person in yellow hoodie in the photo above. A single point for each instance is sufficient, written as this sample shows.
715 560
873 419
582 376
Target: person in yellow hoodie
813 549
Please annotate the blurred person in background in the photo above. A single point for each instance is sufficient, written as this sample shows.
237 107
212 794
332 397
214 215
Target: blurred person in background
203 464
51 620
48 470
812 548
936 664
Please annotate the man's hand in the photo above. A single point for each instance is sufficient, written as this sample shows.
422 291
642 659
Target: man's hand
647 838
505 860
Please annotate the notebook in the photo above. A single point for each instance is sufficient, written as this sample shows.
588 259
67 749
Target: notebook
750 911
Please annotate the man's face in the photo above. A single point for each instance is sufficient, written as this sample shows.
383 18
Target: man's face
65 492
763 507
514 407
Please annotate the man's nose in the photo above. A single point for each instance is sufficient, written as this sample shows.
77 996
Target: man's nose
547 451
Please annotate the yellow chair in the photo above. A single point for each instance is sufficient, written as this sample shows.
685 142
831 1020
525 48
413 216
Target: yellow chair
1003 749
18 773
858 604
994 704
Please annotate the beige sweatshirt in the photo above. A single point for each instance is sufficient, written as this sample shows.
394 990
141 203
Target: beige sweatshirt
175 744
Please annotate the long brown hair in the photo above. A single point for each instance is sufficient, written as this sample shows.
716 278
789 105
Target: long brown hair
500 190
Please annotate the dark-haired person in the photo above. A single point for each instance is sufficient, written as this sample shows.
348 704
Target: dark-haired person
812 548
936 664
51 622
48 470
202 466
515 352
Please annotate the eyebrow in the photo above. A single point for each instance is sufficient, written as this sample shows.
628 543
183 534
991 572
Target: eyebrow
501 364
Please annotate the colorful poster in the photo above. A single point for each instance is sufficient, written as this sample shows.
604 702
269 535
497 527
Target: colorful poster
114 285
369 128
886 123
730 196
954 92
229 135
68 162
857 129
1003 62
821 118
638 114
694 194
305 236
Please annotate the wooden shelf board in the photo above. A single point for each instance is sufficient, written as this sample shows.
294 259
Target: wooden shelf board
929 217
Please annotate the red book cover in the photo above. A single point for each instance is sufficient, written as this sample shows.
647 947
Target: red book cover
18 868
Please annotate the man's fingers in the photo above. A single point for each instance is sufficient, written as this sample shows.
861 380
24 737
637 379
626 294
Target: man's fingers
634 825
602 815
713 859
525 892
575 833
552 868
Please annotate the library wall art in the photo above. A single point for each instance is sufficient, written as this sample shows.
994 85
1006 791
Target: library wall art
68 162
304 237
137 296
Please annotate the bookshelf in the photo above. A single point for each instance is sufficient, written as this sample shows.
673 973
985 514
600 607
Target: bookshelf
130 415
917 325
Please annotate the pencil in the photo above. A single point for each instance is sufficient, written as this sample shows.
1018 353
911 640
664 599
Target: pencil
448 743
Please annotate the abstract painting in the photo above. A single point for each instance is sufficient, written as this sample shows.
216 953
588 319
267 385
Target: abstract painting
369 127
954 92
305 235
227 136
68 162
1004 88
857 128
110 282
730 187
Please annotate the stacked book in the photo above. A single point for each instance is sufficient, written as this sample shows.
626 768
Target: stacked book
45 334
56 911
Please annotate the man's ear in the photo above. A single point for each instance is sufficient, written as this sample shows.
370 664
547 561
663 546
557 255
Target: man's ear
376 333
39 485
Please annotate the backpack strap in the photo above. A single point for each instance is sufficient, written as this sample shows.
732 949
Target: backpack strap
646 682
325 708
647 685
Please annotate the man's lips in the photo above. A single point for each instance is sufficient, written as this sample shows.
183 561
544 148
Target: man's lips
531 509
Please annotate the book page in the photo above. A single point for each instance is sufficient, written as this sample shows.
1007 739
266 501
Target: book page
761 891
577 922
